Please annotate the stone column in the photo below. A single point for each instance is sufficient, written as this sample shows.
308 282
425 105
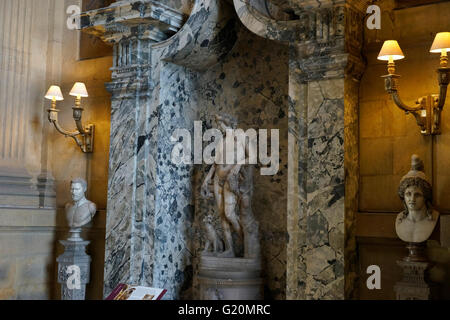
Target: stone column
27 206
131 239
324 71
131 186
327 70
15 54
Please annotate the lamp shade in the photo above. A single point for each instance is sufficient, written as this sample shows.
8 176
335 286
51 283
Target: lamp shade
441 42
79 90
390 49
54 93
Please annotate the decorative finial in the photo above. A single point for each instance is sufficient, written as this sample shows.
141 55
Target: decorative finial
416 163
417 169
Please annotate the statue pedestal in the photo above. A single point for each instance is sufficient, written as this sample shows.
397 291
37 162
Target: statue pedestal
415 284
230 279
73 269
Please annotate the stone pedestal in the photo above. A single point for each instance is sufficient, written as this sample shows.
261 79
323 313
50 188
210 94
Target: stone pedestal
73 263
415 285
230 279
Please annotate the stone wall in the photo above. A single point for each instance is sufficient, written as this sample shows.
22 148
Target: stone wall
37 163
388 138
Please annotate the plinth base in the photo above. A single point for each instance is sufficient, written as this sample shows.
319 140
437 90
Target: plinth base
230 279
73 269
414 285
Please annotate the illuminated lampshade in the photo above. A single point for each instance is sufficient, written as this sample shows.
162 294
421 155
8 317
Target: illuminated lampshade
441 42
390 49
79 90
54 93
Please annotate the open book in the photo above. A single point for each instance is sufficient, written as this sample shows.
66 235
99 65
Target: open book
129 292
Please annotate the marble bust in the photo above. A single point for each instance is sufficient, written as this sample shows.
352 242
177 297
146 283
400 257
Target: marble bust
79 211
416 223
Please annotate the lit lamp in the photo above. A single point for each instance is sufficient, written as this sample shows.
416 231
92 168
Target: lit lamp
428 109
390 52
441 44
79 91
54 94
84 136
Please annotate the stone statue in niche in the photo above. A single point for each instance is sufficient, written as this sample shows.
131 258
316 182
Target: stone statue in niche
232 185
80 211
249 224
416 223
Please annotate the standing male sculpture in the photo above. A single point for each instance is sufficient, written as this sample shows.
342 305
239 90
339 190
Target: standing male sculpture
233 188
222 275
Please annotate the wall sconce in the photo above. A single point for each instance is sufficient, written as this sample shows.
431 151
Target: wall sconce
428 109
84 136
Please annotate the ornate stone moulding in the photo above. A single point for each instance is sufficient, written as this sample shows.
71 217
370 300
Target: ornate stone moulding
207 36
322 23
126 18
325 39
263 26
197 42
126 89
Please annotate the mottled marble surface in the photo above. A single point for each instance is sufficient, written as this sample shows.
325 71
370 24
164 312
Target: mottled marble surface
169 73
323 154
252 86
164 82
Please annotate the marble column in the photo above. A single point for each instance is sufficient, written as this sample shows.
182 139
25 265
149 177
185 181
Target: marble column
130 229
324 71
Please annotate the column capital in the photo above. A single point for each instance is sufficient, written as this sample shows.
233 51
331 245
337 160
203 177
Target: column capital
332 46
320 26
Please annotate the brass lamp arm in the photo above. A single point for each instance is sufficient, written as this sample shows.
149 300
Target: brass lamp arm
442 96
77 112
72 134
416 112
390 82
83 136
444 78
403 106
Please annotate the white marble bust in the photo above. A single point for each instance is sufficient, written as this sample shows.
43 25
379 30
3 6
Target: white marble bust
416 223
80 211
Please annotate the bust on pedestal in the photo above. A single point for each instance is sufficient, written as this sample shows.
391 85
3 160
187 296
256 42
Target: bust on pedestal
222 275
74 263
415 225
